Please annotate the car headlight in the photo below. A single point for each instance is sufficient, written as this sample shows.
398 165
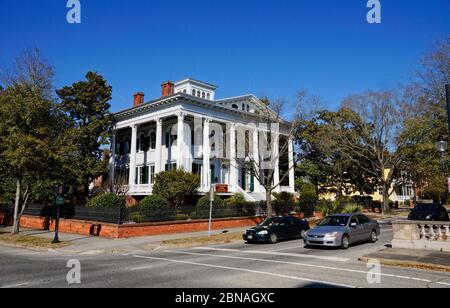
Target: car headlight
265 232
429 217
331 235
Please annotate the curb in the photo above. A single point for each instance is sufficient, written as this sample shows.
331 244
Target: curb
409 264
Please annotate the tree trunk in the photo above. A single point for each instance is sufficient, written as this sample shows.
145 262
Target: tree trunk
16 224
385 207
269 208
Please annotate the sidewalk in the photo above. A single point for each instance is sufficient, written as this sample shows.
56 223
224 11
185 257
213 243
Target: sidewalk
80 244
420 259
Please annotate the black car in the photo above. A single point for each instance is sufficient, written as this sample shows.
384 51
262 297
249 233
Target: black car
274 229
429 212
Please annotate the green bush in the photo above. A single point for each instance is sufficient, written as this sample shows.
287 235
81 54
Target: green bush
181 217
352 209
328 208
176 186
153 201
137 217
155 208
237 199
108 200
203 207
308 197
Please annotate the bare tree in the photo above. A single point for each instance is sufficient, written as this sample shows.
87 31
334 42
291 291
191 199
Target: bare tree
369 136
274 146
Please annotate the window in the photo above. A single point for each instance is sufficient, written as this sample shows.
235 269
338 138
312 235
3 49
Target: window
363 219
193 92
248 108
243 107
152 174
208 96
234 106
184 91
203 95
152 141
199 94
170 167
197 168
143 175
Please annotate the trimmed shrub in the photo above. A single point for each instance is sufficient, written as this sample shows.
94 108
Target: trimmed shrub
108 200
153 201
155 208
237 199
203 204
177 186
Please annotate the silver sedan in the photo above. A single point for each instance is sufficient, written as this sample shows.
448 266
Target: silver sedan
343 230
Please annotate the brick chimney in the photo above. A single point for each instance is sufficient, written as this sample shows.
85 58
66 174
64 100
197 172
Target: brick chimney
138 99
167 88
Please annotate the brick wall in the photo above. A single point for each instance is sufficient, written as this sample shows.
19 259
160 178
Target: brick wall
128 231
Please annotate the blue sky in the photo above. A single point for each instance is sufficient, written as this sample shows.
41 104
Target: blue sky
265 47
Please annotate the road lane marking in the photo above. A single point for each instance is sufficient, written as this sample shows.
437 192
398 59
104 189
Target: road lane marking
249 271
444 283
300 264
15 286
143 268
272 253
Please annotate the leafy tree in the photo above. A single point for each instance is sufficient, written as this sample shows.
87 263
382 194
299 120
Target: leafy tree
176 186
26 129
88 125
323 164
425 121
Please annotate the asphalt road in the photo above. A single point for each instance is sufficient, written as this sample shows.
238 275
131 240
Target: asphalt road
236 265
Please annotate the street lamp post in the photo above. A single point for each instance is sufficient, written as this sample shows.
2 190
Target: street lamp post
441 147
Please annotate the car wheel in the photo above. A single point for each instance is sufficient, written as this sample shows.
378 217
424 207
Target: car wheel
303 234
345 244
273 238
373 236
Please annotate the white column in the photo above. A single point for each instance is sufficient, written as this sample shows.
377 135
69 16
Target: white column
206 155
291 166
112 161
132 179
159 166
276 161
180 141
233 163
256 159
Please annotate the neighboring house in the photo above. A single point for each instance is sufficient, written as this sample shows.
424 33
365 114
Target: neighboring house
188 128
402 191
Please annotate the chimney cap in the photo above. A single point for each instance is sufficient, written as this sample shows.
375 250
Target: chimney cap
139 93
168 83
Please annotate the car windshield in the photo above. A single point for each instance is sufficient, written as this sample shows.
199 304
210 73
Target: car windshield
335 221
425 208
270 222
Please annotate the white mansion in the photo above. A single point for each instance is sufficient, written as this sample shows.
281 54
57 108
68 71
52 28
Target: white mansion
188 128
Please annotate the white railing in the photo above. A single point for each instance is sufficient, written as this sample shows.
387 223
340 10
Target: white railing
429 235
434 231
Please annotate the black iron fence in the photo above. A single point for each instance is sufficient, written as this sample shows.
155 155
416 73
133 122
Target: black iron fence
150 215
140 215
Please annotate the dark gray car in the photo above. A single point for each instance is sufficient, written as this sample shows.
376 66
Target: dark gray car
343 230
